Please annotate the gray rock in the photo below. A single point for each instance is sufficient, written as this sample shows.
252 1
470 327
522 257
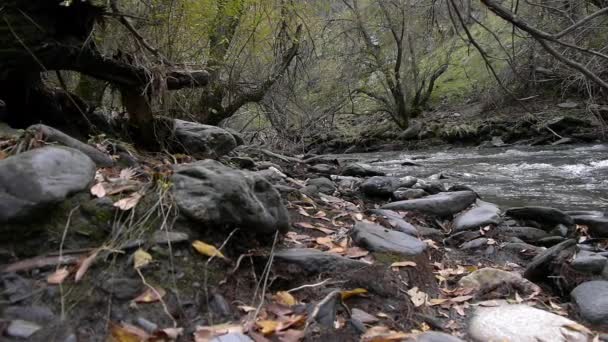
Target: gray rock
567 105
380 186
523 248
272 175
489 279
549 241
474 244
216 195
521 323
395 221
322 185
430 233
232 337
147 325
497 142
243 162
540 266
379 239
433 336
58 331
543 215
403 194
33 313
528 234
360 170
407 181
347 182
591 298
315 261
122 288
559 230
589 263
219 306
22 329
324 169
412 131
443 204
461 237
202 140
38 178
432 186
51 134
484 214
598 225
363 316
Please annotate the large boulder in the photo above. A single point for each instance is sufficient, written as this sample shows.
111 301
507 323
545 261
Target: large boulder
542 215
380 186
216 195
521 323
202 140
33 180
591 299
484 214
360 170
379 239
443 204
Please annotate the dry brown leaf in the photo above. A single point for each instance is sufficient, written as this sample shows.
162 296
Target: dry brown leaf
246 308
285 298
417 297
126 333
382 334
356 252
127 174
128 203
207 249
84 264
207 333
58 276
168 333
577 327
141 258
293 321
267 327
98 190
303 212
398 264
325 241
150 295
351 293
3 155
460 299
307 225
290 335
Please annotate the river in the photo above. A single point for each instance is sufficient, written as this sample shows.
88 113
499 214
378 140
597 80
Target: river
565 177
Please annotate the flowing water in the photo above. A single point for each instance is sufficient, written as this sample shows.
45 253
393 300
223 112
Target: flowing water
569 178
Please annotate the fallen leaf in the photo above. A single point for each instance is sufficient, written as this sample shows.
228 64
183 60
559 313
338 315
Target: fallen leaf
417 297
356 252
382 334
267 327
303 212
126 333
150 295
207 249
246 308
290 335
168 333
285 298
325 241
207 333
577 327
351 293
460 299
403 264
358 216
141 258
58 276
292 321
127 173
128 203
307 225
84 265
3 155
98 190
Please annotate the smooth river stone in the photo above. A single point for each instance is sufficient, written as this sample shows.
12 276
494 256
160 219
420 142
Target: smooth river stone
442 204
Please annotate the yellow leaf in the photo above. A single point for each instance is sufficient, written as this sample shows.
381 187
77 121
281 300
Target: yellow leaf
58 276
207 249
351 293
150 295
267 327
285 298
141 258
126 333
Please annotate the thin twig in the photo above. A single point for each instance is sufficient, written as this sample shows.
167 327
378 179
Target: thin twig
265 278
308 285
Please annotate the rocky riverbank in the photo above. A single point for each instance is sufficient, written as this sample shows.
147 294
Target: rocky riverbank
102 242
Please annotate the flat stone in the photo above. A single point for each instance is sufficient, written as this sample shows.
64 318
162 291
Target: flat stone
591 298
363 316
35 179
379 239
217 196
395 221
22 329
523 248
521 323
122 288
324 169
243 162
203 141
593 264
598 225
433 336
461 237
360 170
232 337
313 260
403 194
474 244
484 214
543 215
540 267
443 204
432 187
528 234
407 181
322 185
380 186
32 313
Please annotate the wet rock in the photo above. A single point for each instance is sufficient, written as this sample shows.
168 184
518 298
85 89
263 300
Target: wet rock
363 316
433 336
567 124
591 298
22 329
484 214
360 170
33 313
263 165
549 241
379 239
219 306
271 174
347 182
461 237
122 288
403 194
51 134
544 215
461 187
521 323
35 179
525 250
432 186
202 140
395 221
541 266
528 234
320 185
587 262
315 261
243 162
409 163
559 230
380 186
598 225
324 169
489 279
430 233
147 325
407 181
232 337
324 312
412 131
474 244
216 195
443 204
